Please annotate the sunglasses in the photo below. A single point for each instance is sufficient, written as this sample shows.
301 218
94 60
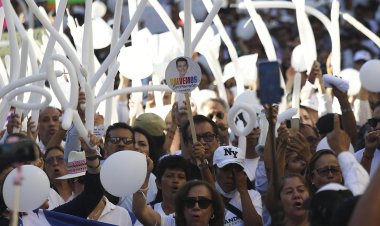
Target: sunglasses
208 137
325 171
116 140
51 160
373 122
219 115
203 202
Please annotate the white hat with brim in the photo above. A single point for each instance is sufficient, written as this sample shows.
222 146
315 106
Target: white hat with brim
76 165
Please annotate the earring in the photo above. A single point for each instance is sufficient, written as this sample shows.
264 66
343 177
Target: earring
212 216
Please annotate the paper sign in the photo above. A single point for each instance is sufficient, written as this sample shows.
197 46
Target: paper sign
183 75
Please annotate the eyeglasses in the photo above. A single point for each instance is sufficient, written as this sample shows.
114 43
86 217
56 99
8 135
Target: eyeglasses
208 137
219 115
116 140
51 160
325 171
203 202
373 122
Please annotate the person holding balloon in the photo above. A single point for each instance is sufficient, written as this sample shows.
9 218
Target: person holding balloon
80 207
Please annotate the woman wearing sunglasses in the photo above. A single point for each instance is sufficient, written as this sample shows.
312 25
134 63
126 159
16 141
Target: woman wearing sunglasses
196 203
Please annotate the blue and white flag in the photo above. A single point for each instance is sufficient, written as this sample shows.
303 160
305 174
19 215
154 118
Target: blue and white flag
46 218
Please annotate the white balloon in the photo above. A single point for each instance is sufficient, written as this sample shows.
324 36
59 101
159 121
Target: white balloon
247 69
250 97
102 33
135 63
34 188
251 120
352 76
245 29
369 75
124 172
298 59
99 9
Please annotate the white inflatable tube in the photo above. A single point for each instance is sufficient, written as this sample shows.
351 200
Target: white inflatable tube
206 24
131 90
335 37
123 39
31 88
361 28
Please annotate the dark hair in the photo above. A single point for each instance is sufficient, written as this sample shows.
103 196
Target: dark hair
217 203
293 175
183 59
155 146
53 148
217 100
172 162
118 125
311 167
198 119
21 136
325 124
323 204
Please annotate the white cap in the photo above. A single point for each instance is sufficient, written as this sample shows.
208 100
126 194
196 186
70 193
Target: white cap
362 55
225 155
332 187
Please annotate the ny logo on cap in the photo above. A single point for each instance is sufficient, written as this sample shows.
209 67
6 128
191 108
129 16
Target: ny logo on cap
229 151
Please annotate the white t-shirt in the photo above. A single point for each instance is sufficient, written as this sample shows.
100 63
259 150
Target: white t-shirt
116 215
231 219
158 208
55 200
167 220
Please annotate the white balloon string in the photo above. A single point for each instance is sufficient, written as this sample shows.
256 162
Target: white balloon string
123 39
367 32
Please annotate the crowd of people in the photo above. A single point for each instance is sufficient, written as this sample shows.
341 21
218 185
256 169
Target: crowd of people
322 172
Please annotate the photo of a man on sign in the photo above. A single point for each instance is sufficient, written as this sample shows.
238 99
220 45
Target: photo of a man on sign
183 74
182 66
